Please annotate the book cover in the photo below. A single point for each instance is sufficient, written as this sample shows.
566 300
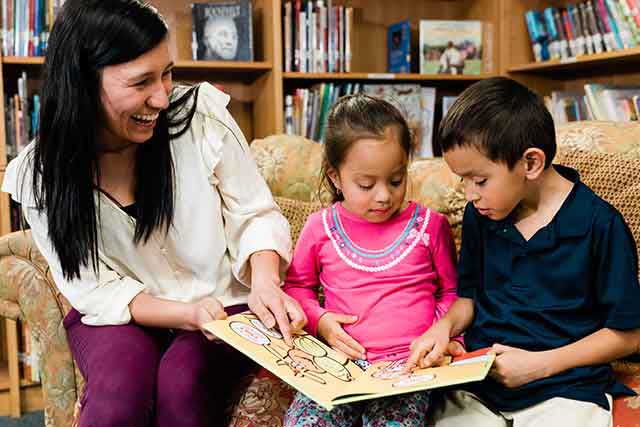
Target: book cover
450 47
408 99
399 47
331 379
447 102
222 31
424 147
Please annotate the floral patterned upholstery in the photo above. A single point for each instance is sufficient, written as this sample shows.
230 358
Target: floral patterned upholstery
291 167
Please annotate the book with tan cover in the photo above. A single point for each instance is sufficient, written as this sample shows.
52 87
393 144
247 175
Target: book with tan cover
328 377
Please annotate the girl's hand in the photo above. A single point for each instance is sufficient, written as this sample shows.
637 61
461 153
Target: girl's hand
204 311
429 348
274 307
330 329
455 348
515 367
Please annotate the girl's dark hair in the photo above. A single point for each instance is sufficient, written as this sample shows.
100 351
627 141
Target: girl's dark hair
356 117
502 119
87 36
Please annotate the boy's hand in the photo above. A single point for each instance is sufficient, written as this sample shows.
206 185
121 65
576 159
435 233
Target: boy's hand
330 329
428 349
514 367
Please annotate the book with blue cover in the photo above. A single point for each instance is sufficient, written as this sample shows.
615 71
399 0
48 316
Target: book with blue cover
399 47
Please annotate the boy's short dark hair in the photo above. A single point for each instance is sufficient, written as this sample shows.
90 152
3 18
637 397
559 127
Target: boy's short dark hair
501 118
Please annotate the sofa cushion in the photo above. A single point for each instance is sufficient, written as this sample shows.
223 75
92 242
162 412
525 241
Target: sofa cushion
290 165
296 212
262 402
605 137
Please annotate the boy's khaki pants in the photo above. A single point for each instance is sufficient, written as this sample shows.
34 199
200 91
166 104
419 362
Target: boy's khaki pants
463 409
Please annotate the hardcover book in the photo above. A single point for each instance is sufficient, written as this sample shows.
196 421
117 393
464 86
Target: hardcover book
450 47
222 31
399 47
331 379
415 104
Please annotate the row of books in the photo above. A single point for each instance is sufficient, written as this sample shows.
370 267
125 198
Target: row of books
26 25
306 110
595 102
317 36
585 28
21 118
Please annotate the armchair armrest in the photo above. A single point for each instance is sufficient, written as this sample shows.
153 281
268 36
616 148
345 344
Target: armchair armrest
28 292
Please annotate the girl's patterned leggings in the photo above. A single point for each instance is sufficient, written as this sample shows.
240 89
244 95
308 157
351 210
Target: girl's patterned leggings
405 410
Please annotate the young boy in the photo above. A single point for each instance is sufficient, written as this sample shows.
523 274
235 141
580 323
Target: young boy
547 274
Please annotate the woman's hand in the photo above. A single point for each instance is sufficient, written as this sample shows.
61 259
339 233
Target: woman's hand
274 307
204 311
330 329
268 301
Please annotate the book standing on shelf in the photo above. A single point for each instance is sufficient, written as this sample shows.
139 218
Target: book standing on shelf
222 31
416 104
306 111
26 24
595 102
399 47
450 47
588 27
21 118
317 36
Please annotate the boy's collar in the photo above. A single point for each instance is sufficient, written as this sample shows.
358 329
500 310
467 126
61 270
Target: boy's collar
573 219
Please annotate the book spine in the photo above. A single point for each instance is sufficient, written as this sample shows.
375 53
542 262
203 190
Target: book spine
348 36
574 17
619 26
297 43
569 32
286 31
588 39
554 45
288 115
563 42
597 30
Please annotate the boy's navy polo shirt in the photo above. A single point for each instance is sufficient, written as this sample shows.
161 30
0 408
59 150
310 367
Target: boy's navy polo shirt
576 275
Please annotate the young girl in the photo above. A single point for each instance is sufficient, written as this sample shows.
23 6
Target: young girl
387 266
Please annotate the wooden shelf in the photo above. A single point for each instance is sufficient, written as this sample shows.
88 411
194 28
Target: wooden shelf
227 66
385 76
23 60
608 59
4 375
239 66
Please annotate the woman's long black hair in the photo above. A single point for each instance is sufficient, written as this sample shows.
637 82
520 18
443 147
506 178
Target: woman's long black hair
87 36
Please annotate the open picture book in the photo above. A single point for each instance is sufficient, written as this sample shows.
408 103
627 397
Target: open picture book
330 378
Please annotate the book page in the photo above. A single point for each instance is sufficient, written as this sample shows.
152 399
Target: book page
328 377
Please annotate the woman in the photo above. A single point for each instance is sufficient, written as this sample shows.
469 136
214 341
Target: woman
152 217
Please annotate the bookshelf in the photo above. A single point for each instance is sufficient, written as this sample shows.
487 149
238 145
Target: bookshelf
386 77
258 87
516 58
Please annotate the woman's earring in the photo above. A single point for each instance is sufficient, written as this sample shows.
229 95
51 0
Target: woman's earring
338 191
